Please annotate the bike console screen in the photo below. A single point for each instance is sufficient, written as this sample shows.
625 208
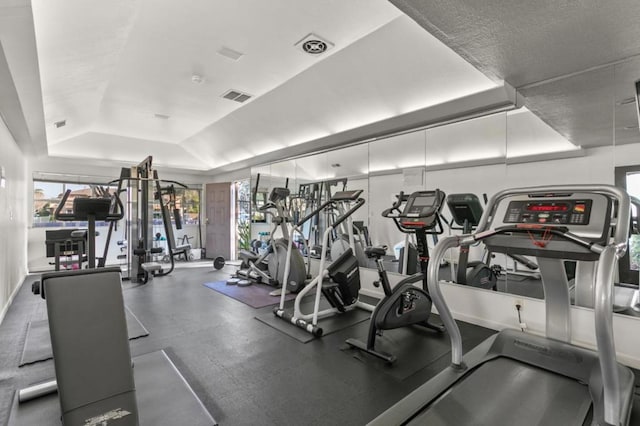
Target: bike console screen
421 208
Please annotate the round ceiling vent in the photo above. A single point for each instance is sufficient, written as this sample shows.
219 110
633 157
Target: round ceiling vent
314 47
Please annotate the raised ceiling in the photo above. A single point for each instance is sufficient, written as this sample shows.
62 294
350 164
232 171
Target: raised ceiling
137 77
121 75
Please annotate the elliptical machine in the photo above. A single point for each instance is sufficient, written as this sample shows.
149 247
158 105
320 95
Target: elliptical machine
343 289
268 268
406 304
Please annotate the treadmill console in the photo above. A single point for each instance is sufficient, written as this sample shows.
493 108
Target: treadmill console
586 215
558 212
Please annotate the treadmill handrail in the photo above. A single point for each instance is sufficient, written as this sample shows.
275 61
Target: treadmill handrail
603 306
559 231
603 316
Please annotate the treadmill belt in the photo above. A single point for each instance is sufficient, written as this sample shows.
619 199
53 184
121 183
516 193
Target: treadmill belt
506 392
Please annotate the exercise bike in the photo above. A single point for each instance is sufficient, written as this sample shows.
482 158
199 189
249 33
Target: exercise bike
466 212
405 304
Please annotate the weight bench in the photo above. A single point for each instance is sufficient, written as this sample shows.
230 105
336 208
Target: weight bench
151 268
92 359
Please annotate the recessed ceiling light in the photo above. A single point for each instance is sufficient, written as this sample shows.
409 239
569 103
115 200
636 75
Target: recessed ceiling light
60 123
197 79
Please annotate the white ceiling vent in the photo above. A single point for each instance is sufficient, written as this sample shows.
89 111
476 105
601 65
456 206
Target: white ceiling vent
236 95
161 116
230 53
314 44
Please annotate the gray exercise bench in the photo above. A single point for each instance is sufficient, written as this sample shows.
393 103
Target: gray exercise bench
96 378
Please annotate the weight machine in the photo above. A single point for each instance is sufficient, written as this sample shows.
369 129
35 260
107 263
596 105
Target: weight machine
141 186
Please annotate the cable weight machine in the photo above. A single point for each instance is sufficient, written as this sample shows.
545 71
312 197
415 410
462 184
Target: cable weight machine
142 187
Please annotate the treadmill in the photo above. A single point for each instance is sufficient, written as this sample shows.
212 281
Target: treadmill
520 378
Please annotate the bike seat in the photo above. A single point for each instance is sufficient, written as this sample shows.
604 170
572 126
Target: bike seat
376 252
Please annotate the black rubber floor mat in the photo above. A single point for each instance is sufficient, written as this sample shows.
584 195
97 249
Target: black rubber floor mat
414 348
329 325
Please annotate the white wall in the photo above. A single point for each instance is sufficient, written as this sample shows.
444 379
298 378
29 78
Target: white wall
13 219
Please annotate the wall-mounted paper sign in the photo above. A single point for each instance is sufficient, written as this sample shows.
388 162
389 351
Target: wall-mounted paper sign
413 176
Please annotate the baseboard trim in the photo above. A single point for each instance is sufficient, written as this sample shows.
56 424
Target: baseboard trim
5 309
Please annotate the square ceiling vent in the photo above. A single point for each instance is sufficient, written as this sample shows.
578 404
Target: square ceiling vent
313 44
236 95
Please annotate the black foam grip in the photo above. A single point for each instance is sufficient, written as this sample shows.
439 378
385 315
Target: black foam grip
178 218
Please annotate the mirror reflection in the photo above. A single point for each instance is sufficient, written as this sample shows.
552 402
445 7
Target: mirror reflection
562 135
627 174
578 129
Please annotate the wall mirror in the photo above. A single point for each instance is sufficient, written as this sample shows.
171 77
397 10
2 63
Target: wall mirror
627 173
578 129
563 135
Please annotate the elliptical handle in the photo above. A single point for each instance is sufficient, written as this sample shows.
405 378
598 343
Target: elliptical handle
119 213
359 203
58 215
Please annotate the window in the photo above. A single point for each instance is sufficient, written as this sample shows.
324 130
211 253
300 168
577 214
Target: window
258 216
188 201
243 214
47 197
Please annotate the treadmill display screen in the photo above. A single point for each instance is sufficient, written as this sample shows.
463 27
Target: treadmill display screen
547 207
